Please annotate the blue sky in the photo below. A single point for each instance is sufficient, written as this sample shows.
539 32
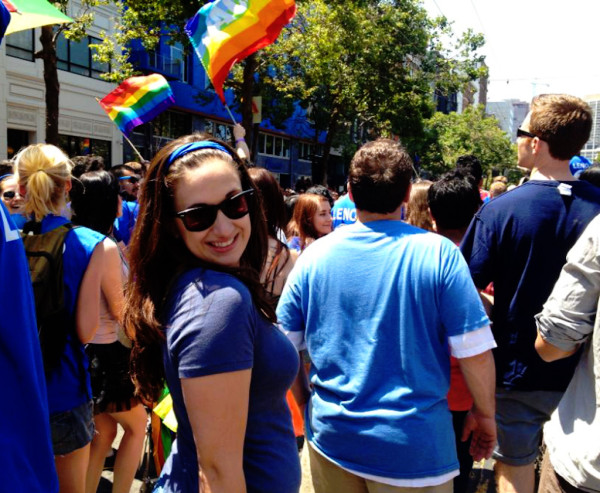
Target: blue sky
532 46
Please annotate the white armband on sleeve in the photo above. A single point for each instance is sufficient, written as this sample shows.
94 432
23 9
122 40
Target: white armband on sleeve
472 343
296 337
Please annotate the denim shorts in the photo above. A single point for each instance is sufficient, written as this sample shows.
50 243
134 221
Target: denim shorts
72 429
520 416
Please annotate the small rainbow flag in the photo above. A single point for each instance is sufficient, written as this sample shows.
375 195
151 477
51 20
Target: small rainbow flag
226 31
137 100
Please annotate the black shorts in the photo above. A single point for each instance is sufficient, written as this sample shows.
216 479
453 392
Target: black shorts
112 388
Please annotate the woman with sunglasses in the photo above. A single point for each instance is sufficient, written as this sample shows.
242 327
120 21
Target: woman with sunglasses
9 190
195 301
44 181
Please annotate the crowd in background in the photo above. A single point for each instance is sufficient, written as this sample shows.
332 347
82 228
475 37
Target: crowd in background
198 272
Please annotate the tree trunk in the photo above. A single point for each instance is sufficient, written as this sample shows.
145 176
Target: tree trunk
48 55
250 66
319 168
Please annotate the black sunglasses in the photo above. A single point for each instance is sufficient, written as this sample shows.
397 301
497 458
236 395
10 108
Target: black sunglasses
9 195
525 133
132 179
203 217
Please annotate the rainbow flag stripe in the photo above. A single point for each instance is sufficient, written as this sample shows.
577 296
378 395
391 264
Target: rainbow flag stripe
226 31
138 100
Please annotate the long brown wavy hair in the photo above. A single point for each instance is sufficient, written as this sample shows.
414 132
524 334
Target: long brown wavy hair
158 257
302 224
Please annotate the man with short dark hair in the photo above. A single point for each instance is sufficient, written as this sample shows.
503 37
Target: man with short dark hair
129 185
519 241
469 165
129 181
453 201
381 305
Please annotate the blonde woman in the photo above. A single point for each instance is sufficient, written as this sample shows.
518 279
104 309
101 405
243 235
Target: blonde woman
44 173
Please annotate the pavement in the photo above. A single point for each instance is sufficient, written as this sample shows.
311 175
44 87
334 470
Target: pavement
481 480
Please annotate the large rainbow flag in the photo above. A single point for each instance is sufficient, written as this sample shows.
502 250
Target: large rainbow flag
226 31
137 100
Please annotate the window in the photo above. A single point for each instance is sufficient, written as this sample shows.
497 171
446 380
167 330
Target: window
171 60
222 131
305 151
82 146
272 145
76 57
21 45
172 124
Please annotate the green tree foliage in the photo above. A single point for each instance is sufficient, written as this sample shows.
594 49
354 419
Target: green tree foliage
471 132
371 62
75 31
360 68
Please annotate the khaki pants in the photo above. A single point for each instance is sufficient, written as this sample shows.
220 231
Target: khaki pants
330 478
550 482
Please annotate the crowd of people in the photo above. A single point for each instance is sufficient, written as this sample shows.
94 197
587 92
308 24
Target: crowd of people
397 333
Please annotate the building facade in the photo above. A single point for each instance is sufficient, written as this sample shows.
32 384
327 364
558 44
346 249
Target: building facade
84 128
510 114
591 150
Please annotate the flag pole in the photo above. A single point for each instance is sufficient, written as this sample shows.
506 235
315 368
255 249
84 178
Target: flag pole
230 113
127 139
134 148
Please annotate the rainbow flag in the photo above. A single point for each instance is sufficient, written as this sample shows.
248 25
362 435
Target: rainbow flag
4 19
224 32
137 100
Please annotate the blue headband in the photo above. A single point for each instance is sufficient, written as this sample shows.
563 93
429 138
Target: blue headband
6 176
191 147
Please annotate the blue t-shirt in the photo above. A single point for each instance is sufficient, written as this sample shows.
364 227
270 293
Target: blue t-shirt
212 326
294 244
343 211
377 302
25 447
123 225
69 384
519 241
19 220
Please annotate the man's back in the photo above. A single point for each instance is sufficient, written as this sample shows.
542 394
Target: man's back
378 302
519 242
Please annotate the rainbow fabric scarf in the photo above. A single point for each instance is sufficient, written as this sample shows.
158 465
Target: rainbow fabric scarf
137 100
226 31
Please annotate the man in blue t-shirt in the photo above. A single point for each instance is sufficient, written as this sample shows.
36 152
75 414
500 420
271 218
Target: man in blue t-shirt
381 305
25 447
519 241
343 211
129 185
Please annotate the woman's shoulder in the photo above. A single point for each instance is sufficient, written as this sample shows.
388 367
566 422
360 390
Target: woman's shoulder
212 284
87 238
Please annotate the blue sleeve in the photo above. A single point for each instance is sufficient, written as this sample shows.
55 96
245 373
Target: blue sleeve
289 309
460 305
123 225
477 249
211 330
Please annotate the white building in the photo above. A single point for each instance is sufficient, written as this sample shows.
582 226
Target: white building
591 150
83 126
510 114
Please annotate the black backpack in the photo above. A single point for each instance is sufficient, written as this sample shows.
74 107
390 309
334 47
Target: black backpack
45 257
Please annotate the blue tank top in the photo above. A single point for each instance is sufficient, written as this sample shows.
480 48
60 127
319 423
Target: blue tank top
69 384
